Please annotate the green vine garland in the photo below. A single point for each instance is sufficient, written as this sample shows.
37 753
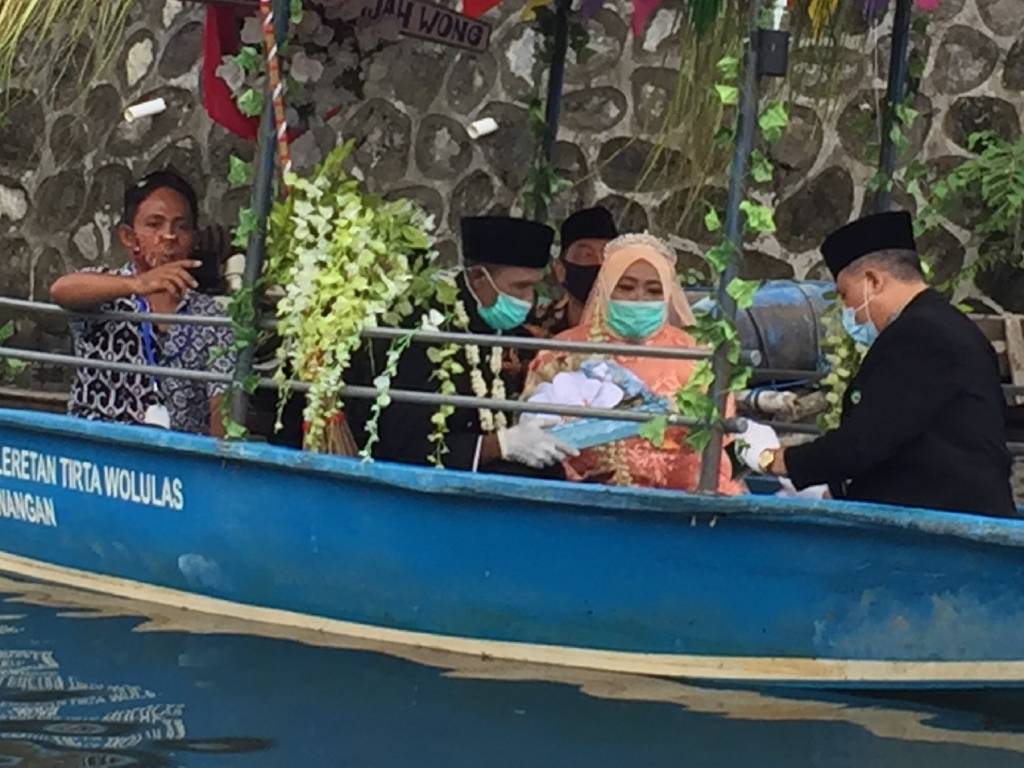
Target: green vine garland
9 368
694 400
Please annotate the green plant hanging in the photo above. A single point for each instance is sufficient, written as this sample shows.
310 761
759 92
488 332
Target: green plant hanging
87 34
346 261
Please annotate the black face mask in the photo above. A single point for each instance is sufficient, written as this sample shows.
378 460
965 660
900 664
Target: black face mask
579 280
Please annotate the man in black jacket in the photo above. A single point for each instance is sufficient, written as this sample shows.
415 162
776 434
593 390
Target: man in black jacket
923 420
504 260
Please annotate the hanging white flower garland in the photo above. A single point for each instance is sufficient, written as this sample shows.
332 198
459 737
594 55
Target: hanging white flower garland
489 420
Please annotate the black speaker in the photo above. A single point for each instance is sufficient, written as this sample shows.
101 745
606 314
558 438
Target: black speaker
772 52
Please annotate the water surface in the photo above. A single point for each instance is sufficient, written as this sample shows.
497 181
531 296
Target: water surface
87 680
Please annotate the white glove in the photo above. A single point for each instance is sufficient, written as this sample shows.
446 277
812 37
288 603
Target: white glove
753 441
789 490
530 445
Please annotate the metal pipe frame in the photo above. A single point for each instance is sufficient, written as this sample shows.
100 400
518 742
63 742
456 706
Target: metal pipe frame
895 92
745 129
556 81
429 337
440 337
262 200
398 395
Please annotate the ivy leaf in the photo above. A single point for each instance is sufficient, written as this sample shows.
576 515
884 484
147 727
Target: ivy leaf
250 103
246 226
295 12
703 376
773 121
759 218
711 220
240 172
654 431
233 430
729 95
698 438
728 67
251 383
761 168
742 291
906 114
720 256
249 59
740 377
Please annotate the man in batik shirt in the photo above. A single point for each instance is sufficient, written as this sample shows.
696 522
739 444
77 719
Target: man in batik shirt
158 230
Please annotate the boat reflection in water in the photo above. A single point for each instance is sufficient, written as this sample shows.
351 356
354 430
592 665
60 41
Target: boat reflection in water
88 680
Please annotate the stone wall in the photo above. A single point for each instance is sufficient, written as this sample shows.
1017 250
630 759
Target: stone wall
65 157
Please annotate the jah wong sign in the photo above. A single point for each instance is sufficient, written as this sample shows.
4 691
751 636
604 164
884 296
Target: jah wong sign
427 21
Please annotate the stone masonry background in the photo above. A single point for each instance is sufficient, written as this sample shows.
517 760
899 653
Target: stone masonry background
66 156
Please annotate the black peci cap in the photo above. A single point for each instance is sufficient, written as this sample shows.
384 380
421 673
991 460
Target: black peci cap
590 223
870 234
137 193
506 242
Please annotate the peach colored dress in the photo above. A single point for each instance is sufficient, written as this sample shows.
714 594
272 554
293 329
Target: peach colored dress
675 464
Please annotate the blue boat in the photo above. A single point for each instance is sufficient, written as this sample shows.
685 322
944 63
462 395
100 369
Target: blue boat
741 590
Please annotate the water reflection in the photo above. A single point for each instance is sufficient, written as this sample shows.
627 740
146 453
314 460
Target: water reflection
84 681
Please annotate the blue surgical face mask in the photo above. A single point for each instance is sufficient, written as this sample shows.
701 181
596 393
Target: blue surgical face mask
862 333
636 319
507 312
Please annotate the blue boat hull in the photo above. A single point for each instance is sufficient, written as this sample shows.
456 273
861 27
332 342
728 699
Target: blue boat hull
734 589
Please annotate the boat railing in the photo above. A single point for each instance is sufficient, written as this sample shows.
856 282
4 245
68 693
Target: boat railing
364 392
428 336
732 425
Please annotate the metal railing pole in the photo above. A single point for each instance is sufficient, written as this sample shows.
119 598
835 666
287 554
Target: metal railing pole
422 336
895 91
556 82
746 125
359 392
262 199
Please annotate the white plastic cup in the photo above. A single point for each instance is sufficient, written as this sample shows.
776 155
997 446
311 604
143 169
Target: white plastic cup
145 109
481 128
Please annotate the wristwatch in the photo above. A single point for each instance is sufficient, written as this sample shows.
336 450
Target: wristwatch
767 459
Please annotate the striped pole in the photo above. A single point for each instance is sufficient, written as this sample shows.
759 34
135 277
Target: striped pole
270 51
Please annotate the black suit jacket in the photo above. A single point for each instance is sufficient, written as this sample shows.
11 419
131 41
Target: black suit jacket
923 420
405 428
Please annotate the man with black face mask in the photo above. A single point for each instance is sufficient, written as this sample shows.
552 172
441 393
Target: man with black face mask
584 236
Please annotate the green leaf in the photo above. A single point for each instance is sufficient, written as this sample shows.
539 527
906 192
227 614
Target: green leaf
250 103
740 377
720 256
250 59
742 291
761 168
239 172
759 218
295 11
6 331
773 121
728 67
698 438
234 431
729 95
654 431
711 220
906 115
246 226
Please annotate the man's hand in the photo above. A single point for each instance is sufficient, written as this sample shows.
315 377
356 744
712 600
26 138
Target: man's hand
173 278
